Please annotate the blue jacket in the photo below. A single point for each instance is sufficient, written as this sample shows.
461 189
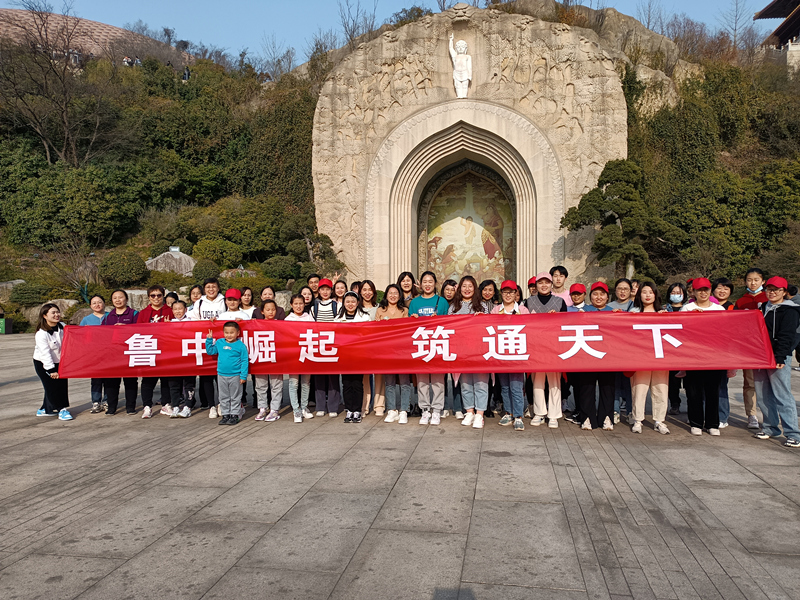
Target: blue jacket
233 359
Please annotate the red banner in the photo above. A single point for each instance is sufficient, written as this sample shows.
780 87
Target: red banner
565 342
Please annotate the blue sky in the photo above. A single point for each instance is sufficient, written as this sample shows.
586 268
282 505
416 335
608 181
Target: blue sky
238 24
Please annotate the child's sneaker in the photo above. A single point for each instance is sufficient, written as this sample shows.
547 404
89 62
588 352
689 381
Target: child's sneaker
262 414
166 410
436 418
176 412
272 416
320 413
147 412
307 414
212 413
185 413
403 418
425 419
298 417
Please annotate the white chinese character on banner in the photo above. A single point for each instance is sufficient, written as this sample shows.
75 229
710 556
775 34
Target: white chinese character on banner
580 338
430 342
314 346
260 346
196 346
509 344
658 336
142 350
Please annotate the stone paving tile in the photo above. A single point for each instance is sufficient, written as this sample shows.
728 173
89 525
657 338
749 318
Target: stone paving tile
56 577
247 583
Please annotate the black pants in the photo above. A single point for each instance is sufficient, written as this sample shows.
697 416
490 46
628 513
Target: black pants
702 398
181 390
675 390
56 392
353 386
585 387
206 391
149 386
131 391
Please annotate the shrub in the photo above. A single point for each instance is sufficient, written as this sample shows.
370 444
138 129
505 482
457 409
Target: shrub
222 252
159 248
169 280
123 268
19 323
30 294
185 245
280 267
204 269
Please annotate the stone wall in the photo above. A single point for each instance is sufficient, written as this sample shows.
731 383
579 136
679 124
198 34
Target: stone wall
552 87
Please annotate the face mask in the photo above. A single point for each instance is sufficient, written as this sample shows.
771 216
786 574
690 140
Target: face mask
761 287
675 298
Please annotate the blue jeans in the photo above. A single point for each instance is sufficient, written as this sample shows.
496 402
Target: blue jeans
475 390
455 404
775 399
511 385
724 401
304 383
97 391
622 392
391 381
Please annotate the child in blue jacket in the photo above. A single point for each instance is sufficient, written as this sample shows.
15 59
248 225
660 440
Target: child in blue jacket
231 370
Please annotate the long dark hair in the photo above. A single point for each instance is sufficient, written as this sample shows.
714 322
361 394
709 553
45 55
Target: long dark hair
682 288
486 283
374 292
401 303
300 293
403 275
476 303
637 301
343 310
41 323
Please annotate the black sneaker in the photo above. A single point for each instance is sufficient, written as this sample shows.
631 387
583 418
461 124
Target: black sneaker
233 420
674 411
224 420
110 412
488 414
573 418
416 411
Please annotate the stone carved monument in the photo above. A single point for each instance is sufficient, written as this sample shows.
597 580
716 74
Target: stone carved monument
409 174
462 67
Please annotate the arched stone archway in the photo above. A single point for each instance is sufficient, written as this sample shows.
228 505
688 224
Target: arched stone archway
446 134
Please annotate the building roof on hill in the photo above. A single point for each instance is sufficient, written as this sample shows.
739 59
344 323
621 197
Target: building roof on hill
777 9
789 10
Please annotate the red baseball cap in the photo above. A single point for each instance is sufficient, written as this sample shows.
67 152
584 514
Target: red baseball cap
700 283
233 293
324 282
577 288
778 282
599 285
508 284
531 281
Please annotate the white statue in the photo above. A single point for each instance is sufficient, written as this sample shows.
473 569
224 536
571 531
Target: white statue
462 67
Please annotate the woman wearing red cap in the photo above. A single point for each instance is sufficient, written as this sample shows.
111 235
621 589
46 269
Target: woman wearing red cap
702 387
511 384
233 307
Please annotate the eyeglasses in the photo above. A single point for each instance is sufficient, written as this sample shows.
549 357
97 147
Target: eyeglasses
156 295
509 291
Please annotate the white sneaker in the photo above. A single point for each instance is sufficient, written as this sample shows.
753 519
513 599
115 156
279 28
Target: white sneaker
637 427
661 428
478 422
176 412
392 416
445 414
587 424
608 425
527 413
713 431
553 423
166 410
616 418
298 418
537 420
696 431
212 412
241 412
307 414
333 415
468 419
147 412
320 413
403 419
752 422
436 418
723 425
425 419
185 413
459 415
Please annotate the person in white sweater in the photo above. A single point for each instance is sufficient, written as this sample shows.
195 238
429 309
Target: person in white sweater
46 357
299 405
352 385
208 308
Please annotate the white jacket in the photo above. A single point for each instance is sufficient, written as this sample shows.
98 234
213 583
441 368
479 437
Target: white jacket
48 347
204 309
359 318
305 317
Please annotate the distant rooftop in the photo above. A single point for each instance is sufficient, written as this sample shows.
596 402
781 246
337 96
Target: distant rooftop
789 10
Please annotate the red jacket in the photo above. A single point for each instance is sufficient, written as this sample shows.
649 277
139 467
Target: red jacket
750 301
148 315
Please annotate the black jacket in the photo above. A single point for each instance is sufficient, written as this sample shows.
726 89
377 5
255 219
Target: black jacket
782 321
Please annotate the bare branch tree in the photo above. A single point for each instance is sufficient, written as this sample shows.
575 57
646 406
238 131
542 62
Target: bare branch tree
356 20
278 59
651 14
734 19
444 5
70 266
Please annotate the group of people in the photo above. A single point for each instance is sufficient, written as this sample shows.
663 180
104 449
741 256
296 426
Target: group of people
601 399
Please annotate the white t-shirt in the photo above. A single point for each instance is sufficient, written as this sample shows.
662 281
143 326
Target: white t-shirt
304 317
233 315
692 306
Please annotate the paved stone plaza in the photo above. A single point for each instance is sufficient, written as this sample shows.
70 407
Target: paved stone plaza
119 507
